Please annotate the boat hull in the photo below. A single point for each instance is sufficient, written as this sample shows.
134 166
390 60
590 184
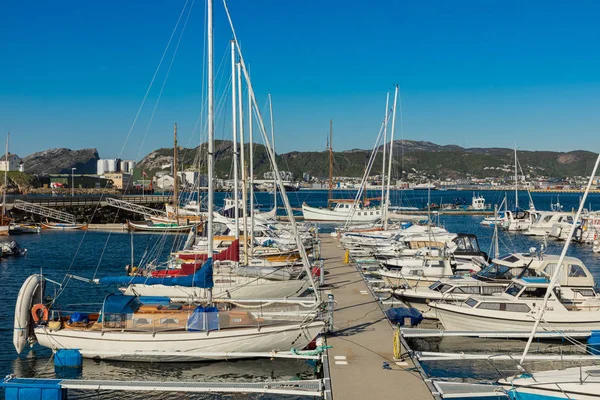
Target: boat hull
64 227
455 318
141 227
326 214
253 288
180 346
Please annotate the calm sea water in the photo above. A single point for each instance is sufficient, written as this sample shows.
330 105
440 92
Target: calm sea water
93 254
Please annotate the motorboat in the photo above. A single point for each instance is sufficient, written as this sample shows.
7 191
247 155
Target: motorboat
550 223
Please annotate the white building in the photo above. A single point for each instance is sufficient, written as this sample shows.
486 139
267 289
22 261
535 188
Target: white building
14 163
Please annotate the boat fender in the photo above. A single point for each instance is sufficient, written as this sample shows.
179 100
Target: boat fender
39 313
54 325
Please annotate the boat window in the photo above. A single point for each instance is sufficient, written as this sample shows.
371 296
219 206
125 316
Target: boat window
468 289
548 218
471 302
495 271
585 292
524 308
550 268
513 289
491 289
444 288
534 292
491 306
575 271
570 219
435 285
371 213
510 258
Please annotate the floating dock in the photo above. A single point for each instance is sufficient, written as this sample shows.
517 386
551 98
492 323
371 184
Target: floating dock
363 339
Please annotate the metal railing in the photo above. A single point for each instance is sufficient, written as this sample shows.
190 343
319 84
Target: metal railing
44 211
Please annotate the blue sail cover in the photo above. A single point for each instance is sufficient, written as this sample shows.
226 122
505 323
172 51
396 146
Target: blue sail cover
203 278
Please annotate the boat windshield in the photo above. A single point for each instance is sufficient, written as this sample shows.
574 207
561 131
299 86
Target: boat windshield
514 289
495 271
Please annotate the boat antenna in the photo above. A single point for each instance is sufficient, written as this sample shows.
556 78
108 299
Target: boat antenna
560 261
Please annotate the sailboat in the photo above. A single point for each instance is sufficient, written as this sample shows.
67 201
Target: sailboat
157 329
174 222
518 219
343 209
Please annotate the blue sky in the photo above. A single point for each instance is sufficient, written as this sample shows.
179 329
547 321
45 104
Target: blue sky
472 73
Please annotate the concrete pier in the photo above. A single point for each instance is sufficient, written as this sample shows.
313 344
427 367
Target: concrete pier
363 339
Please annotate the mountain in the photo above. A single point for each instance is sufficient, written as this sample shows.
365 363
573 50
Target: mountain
60 161
418 157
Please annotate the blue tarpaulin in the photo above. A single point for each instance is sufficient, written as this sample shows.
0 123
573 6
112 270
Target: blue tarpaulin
203 278
404 316
203 319
120 304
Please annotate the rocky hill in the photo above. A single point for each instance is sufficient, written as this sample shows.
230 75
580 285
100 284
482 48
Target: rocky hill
426 158
60 161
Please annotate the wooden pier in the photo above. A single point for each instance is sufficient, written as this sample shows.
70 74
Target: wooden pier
363 339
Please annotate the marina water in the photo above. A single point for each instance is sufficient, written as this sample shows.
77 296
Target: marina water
94 254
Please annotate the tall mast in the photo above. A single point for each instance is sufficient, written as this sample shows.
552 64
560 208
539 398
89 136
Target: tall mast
516 179
242 161
330 159
251 151
385 121
211 134
5 179
386 204
236 195
273 144
175 187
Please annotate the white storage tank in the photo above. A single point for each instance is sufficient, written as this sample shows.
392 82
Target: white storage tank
124 166
111 165
130 166
100 167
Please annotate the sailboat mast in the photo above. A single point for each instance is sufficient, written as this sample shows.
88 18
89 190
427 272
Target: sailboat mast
251 151
211 133
5 179
516 183
330 159
385 121
236 196
242 161
273 144
386 204
175 186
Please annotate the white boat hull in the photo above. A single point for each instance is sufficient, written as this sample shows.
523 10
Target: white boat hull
326 214
180 346
226 288
457 318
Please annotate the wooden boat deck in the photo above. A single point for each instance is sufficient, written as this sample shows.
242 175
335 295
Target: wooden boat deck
363 339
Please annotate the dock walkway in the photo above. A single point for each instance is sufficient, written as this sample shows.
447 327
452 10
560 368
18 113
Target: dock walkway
363 339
